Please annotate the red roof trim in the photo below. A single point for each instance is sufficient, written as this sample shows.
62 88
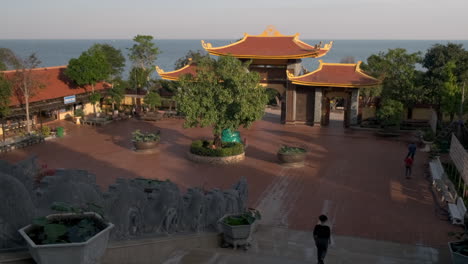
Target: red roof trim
336 75
56 85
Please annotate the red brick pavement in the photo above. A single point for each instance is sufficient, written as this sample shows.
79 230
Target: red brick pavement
356 178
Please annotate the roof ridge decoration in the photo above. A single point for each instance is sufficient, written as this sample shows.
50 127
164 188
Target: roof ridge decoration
166 75
271 31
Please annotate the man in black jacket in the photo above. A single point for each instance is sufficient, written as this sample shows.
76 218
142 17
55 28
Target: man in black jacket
322 238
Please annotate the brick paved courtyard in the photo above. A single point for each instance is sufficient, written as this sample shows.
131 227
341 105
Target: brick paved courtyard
353 176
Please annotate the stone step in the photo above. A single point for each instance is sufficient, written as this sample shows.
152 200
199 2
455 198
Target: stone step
300 245
281 245
226 256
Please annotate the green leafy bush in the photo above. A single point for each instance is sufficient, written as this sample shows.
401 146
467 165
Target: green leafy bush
428 135
291 150
79 112
45 131
390 113
247 218
203 148
138 136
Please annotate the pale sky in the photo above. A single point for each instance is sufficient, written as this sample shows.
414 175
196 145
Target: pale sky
221 19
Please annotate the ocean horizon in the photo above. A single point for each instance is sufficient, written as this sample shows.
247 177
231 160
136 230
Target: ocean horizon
57 52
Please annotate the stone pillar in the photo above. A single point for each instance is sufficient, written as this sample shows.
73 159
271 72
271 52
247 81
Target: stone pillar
354 107
290 104
318 106
294 66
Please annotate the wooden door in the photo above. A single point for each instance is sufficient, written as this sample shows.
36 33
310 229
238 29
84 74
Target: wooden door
304 105
325 120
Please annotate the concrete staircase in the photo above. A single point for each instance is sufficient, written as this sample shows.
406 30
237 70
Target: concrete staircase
281 245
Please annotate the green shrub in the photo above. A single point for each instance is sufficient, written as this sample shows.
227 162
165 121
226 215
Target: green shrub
428 135
138 136
390 113
203 148
291 150
247 218
79 112
45 131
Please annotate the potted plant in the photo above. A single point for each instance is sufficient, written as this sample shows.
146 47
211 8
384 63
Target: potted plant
145 141
428 137
79 114
434 152
237 228
75 236
291 155
459 249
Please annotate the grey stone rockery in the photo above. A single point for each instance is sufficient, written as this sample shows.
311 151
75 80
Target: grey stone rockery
137 207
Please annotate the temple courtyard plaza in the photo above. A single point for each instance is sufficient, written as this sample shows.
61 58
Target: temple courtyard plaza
354 177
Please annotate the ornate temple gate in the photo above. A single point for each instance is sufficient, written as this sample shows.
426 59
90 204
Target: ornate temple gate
337 92
277 59
330 80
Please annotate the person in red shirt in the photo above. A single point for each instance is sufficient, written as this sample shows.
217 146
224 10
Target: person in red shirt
408 165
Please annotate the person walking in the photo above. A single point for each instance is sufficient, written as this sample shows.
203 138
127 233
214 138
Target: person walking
408 165
322 238
411 150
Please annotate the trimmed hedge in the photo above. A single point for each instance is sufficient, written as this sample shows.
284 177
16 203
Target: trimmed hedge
202 148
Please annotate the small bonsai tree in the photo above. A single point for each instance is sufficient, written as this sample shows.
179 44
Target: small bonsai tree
223 95
138 136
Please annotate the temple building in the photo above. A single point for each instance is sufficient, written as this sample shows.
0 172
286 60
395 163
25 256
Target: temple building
56 99
305 99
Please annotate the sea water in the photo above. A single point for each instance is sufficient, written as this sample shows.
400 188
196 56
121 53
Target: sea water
58 52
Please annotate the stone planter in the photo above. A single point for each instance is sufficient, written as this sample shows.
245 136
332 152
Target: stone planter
150 146
89 252
216 160
237 235
457 258
293 159
427 145
78 120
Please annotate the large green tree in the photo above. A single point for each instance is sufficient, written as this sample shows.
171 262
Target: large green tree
117 92
113 56
451 93
9 60
5 95
401 81
89 69
224 95
191 56
441 74
143 54
26 83
139 77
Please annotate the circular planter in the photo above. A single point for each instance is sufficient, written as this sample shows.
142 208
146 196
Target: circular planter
146 147
216 160
295 159
86 252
